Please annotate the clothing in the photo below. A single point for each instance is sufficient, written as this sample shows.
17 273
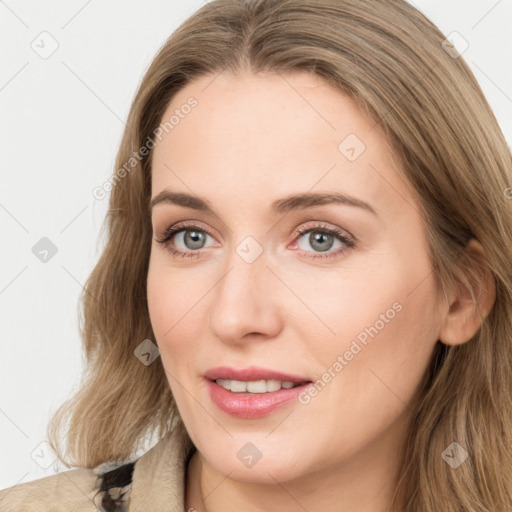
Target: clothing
157 483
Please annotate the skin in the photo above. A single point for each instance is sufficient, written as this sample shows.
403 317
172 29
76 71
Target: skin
253 139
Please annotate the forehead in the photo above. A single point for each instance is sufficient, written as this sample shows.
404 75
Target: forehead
267 136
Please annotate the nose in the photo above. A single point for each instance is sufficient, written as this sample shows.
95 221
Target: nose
246 302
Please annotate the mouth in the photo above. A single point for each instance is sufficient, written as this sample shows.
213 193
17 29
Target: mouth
253 374
252 393
257 386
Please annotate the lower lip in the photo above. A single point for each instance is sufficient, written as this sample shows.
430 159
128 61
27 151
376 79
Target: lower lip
251 405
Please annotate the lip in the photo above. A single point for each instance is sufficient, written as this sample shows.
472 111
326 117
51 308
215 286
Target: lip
250 374
251 405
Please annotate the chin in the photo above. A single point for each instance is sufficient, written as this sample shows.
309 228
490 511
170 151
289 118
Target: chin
256 459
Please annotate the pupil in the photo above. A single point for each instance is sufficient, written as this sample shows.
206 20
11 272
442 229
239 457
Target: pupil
194 237
317 240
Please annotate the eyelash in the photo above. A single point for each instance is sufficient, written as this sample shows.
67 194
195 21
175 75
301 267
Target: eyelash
336 232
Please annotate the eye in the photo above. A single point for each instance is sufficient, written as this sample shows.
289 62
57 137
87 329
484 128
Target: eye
192 237
322 239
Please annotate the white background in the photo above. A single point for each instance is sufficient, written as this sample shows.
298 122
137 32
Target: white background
61 124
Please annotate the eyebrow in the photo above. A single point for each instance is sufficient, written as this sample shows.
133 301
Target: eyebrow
279 206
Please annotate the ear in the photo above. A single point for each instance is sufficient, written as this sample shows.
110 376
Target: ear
465 316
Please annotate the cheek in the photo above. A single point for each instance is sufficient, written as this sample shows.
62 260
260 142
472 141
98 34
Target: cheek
169 304
386 342
176 309
375 330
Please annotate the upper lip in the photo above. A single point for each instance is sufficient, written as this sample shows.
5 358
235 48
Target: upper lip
251 374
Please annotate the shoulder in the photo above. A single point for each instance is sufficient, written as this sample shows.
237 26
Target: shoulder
79 490
68 490
154 481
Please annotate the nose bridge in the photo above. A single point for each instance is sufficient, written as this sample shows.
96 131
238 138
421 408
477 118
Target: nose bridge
244 301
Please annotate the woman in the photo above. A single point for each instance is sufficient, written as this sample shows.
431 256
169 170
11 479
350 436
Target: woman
371 374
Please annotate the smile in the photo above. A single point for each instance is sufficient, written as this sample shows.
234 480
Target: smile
256 386
243 403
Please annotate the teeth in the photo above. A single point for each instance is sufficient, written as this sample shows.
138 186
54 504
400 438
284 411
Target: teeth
273 385
226 384
238 386
255 386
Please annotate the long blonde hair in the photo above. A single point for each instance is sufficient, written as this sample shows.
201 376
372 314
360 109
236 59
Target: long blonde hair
391 60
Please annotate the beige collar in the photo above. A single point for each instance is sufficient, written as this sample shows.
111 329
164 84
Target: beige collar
159 474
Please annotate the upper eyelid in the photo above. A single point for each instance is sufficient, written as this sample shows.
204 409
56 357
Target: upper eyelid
299 231
183 225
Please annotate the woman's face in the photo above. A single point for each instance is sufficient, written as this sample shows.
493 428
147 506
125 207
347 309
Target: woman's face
347 304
